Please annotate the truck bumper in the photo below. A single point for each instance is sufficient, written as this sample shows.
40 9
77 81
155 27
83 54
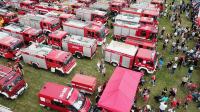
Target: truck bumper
68 72
19 92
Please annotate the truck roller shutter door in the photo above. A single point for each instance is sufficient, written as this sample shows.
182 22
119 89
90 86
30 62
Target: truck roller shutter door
125 62
107 56
115 58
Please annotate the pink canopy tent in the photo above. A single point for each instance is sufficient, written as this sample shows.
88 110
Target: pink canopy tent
120 91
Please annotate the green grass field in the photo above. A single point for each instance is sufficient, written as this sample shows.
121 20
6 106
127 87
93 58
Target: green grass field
28 102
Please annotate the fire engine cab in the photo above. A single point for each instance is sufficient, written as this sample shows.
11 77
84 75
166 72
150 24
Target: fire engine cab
8 16
26 6
43 56
63 98
86 29
123 30
129 19
25 33
9 46
142 13
117 5
12 83
132 57
87 14
77 45
47 24
63 17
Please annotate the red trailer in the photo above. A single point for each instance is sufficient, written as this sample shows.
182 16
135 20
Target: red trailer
120 91
86 84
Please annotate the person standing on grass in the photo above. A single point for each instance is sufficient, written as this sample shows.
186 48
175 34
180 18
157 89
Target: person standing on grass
163 106
153 80
184 80
161 62
190 70
98 65
174 68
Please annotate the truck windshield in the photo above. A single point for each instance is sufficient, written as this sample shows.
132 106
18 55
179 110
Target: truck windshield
13 83
68 60
78 104
17 45
53 26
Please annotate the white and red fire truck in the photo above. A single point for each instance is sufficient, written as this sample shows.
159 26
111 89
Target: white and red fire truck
87 14
130 19
43 56
63 98
77 45
132 57
10 46
87 2
25 33
8 16
142 13
123 30
102 6
62 16
12 82
46 7
145 6
86 29
26 6
159 3
47 24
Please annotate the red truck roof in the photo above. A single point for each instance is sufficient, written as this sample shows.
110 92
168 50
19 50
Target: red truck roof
149 28
57 91
85 80
5 72
58 55
146 53
58 34
32 31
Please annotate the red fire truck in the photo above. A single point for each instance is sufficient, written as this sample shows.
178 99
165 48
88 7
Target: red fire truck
51 7
47 24
130 19
85 83
12 83
77 45
25 33
86 29
117 5
123 30
26 6
87 14
87 2
132 57
9 46
63 17
141 43
8 16
142 13
63 98
43 56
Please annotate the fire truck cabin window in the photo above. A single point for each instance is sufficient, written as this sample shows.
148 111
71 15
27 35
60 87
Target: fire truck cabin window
26 35
57 103
140 60
49 60
143 33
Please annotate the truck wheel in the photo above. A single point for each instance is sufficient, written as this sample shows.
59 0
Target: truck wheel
114 64
35 66
79 55
60 73
143 71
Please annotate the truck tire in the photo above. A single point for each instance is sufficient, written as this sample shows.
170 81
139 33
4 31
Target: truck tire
114 64
79 55
35 66
143 71
60 73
